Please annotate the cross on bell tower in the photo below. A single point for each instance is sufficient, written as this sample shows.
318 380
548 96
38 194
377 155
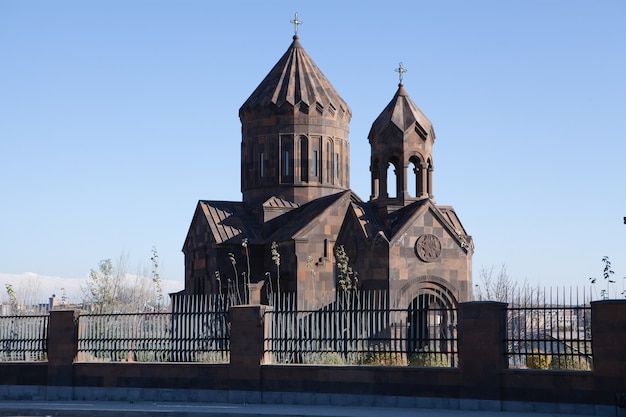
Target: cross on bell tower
401 70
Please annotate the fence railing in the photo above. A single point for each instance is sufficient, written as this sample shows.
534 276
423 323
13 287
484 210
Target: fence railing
363 328
24 338
196 330
550 330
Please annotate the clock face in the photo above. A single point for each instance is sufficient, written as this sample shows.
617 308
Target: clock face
428 248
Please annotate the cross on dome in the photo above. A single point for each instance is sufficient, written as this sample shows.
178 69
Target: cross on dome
296 23
400 70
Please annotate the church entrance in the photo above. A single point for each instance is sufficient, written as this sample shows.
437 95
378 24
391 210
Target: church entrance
431 326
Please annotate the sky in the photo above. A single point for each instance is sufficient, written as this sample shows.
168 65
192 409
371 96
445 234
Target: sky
116 117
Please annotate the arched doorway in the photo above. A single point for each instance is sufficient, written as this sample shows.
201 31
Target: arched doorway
431 323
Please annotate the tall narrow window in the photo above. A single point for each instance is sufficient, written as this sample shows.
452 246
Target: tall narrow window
315 163
304 159
261 165
286 163
392 181
336 165
329 162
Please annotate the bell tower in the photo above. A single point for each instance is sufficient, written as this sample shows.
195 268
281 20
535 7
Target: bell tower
401 140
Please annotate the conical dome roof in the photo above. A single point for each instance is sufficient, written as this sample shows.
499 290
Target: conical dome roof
295 79
404 114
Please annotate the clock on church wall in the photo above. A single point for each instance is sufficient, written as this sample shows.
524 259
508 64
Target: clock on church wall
428 248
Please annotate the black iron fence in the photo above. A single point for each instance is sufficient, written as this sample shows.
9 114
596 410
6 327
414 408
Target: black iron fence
363 328
24 338
550 329
545 330
195 330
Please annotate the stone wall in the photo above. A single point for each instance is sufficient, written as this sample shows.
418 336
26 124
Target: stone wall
482 381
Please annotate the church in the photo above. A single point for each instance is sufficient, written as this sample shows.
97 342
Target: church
300 229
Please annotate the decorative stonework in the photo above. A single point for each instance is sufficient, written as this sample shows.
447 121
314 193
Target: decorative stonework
428 248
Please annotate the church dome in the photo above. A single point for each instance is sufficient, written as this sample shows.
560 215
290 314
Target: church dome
404 114
297 81
295 129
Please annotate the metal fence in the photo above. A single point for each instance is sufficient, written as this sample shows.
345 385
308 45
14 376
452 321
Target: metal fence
24 338
550 330
363 328
196 330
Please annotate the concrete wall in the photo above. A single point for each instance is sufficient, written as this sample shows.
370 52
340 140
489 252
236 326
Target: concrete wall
482 381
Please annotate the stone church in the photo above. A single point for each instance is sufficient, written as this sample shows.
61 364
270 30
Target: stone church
298 209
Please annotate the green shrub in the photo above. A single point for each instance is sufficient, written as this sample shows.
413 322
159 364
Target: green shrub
382 358
323 358
538 360
429 357
570 363
212 357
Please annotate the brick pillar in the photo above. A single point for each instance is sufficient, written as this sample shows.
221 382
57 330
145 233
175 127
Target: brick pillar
247 341
255 292
482 348
608 331
62 347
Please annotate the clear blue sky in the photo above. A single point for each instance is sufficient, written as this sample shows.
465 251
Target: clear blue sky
116 117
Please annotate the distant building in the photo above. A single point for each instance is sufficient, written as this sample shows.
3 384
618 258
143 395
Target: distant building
295 180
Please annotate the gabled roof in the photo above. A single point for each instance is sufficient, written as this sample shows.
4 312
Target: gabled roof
275 202
229 221
372 226
298 221
445 214
296 79
366 217
404 114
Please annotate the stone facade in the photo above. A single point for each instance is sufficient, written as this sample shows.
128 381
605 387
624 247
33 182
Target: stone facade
295 181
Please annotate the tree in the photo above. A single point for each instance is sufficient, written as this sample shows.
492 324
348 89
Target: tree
346 277
156 277
607 273
101 287
111 288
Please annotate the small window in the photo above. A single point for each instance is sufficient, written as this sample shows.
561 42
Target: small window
315 163
337 165
286 163
261 165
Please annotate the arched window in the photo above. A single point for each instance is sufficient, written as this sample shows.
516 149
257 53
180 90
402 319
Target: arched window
261 164
329 162
429 178
392 179
375 170
416 177
304 159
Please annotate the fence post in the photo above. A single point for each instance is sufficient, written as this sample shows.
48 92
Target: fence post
247 341
482 349
608 327
62 348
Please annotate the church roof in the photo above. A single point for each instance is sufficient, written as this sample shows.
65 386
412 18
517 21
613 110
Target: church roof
316 212
296 79
228 221
403 113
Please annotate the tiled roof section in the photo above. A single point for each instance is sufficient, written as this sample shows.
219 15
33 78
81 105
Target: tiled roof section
228 220
275 202
404 114
296 80
368 219
450 215
294 222
398 219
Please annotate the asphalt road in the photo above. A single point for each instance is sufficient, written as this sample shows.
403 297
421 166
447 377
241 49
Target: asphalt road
169 409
